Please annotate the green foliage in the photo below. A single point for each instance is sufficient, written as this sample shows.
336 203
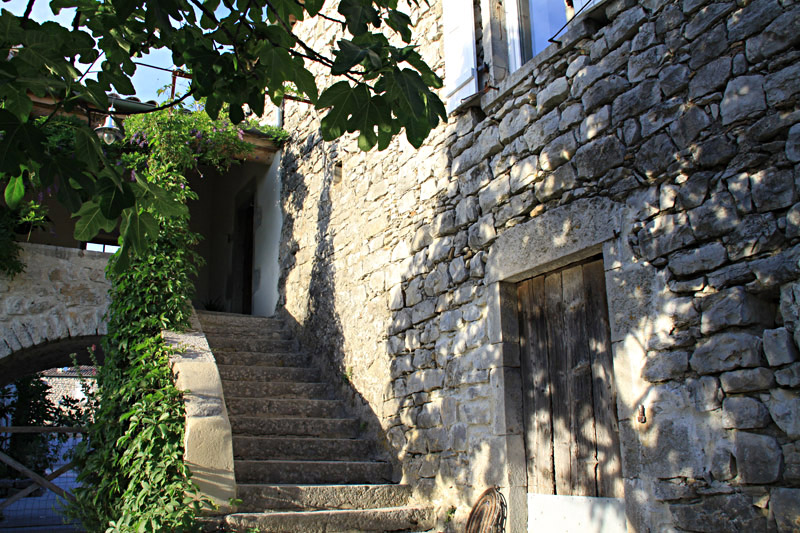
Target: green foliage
10 265
132 471
240 58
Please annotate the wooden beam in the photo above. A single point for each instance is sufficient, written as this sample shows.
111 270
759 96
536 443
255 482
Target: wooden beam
32 487
36 477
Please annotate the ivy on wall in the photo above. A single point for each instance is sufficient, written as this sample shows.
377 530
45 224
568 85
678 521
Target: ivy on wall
132 471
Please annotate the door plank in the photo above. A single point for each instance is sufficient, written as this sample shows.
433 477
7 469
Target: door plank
536 387
558 370
609 472
579 382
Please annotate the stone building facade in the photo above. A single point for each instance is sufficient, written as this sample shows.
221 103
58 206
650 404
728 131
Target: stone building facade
661 138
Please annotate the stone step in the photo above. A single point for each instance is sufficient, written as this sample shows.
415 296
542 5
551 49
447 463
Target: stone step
224 357
250 344
258 498
339 520
268 373
269 331
300 448
283 407
312 472
333 428
279 389
217 318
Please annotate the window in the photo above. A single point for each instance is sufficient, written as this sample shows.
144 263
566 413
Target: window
99 247
530 24
528 27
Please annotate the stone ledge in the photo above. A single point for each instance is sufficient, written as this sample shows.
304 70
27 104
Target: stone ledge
208 443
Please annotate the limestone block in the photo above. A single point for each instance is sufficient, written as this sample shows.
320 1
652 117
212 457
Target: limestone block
444 224
482 233
673 78
414 293
784 406
422 238
783 85
779 347
552 95
515 122
665 366
751 19
744 412
710 77
209 455
758 457
523 173
496 192
748 380
715 151
665 234
571 115
655 155
716 217
791 458
603 92
440 249
425 380
700 259
707 16
784 505
775 270
669 449
728 512
772 189
755 234
704 393
744 97
556 183
423 311
540 132
458 270
688 126
558 151
396 298
595 123
777 36
711 45
637 100
597 157
625 26
467 211
789 376
735 274
723 465
471 180
793 144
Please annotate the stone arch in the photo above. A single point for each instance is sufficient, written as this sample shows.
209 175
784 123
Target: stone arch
52 309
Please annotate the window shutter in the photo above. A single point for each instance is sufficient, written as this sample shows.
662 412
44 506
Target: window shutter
513 35
461 80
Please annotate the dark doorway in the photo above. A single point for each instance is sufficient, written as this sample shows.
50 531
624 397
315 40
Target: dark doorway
242 260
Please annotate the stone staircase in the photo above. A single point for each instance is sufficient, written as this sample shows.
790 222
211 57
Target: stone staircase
299 462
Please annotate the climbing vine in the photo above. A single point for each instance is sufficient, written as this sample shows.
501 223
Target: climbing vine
132 470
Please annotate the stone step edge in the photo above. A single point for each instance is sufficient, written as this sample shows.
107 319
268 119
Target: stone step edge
417 519
259 497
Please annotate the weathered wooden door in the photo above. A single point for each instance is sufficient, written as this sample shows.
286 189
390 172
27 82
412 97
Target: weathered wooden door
569 400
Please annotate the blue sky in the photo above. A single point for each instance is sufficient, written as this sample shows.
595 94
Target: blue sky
147 81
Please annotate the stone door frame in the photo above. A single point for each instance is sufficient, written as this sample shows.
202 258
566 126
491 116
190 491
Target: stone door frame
557 238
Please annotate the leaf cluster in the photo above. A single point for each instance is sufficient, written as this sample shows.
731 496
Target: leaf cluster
132 471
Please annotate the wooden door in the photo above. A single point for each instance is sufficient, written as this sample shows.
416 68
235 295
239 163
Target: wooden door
569 400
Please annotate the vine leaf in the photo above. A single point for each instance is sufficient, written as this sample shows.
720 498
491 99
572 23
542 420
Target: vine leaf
91 221
343 101
15 190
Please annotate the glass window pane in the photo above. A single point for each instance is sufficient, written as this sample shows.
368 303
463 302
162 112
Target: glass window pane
547 17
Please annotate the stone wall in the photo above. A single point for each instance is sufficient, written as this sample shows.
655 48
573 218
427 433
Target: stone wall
664 136
55 307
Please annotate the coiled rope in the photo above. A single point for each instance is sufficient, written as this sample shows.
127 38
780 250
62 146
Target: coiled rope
489 513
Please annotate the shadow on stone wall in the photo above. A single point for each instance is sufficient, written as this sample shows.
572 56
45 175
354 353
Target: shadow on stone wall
320 331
